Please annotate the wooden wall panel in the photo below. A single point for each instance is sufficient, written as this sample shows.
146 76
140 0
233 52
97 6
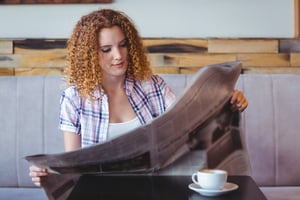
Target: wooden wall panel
166 55
176 45
7 71
6 47
200 60
265 60
188 70
37 71
188 60
166 70
295 59
271 70
242 46
289 46
46 61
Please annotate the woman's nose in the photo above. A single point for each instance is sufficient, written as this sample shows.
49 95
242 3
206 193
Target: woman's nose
117 54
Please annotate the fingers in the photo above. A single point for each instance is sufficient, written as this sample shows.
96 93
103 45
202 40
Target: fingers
37 175
238 101
37 171
37 181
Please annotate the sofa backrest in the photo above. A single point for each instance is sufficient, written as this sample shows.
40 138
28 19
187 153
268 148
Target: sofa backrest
271 124
29 108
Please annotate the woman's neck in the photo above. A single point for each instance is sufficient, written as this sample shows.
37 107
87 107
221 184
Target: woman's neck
113 84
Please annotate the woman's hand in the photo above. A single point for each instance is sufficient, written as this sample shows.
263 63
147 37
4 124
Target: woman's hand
238 101
37 175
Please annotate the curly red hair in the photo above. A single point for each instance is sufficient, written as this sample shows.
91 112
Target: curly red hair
83 68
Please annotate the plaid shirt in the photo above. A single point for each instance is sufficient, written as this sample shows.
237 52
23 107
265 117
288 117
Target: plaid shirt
90 119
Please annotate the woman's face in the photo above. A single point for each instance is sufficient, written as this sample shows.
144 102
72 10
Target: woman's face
113 52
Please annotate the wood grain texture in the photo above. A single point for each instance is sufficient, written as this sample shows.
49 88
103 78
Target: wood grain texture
295 59
265 60
289 46
6 47
200 60
40 44
271 70
31 61
165 70
166 55
188 70
175 45
37 71
7 71
242 46
188 59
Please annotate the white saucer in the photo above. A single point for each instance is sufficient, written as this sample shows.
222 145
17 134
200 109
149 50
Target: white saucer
228 187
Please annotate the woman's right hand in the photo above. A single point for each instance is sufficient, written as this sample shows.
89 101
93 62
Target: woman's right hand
37 175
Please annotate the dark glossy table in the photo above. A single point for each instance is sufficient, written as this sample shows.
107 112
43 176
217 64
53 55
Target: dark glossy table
156 188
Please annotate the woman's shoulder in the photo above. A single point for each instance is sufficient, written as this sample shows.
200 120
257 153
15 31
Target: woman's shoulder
154 79
155 82
70 92
150 81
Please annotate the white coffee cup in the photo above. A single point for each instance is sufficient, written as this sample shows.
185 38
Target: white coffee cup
213 179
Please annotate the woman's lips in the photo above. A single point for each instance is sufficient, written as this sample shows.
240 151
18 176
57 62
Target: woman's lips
118 64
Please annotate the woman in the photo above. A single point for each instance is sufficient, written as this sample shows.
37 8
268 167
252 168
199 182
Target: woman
111 86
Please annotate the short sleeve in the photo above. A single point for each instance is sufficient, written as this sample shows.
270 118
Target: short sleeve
69 119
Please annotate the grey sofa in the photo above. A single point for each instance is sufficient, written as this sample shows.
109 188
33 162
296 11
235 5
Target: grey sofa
29 120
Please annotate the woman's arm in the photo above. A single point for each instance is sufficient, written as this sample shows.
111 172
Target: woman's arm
72 141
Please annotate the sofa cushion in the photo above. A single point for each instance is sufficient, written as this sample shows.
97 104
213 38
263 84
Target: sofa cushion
281 193
22 193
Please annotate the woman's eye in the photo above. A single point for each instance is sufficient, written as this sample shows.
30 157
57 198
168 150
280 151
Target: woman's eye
105 50
123 44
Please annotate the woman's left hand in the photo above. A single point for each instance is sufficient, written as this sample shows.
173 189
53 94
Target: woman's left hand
238 101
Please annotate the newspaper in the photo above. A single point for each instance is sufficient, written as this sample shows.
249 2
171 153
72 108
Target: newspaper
199 119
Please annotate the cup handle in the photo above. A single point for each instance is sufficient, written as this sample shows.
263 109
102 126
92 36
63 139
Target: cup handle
194 178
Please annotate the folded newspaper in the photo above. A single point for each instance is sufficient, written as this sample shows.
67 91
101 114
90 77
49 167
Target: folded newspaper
200 118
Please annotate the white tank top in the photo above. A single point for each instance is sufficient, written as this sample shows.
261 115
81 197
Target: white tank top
118 129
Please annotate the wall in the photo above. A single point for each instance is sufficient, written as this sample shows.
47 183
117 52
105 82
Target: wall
160 18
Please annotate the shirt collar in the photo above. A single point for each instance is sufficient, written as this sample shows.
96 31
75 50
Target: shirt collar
129 82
